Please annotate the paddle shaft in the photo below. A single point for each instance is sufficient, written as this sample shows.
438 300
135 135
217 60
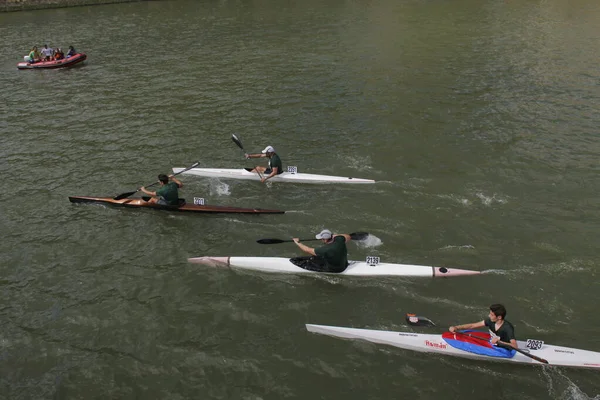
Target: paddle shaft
239 144
127 194
353 236
177 173
276 241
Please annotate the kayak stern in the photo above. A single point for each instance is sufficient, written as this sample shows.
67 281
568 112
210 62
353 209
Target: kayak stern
450 272
211 261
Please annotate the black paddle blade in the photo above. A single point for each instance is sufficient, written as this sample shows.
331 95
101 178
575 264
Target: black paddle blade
271 241
415 320
359 235
237 141
124 195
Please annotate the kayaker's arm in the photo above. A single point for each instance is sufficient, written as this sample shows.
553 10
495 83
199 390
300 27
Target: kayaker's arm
474 325
345 235
177 181
274 172
258 155
143 189
304 247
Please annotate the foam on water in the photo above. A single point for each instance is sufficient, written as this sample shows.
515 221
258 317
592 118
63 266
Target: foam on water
561 387
551 269
219 188
459 247
360 163
486 200
371 241
489 200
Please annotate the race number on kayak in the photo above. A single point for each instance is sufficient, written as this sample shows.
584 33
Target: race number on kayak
533 344
199 201
372 261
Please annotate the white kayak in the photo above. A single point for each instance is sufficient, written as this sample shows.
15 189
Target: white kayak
244 173
355 268
428 343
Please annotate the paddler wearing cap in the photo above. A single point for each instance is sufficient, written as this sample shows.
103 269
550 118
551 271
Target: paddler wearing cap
275 167
331 257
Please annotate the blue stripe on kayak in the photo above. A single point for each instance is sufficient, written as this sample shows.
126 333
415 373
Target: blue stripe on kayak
477 349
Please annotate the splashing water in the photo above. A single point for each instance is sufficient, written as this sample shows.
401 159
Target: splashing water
219 188
559 382
369 242
488 200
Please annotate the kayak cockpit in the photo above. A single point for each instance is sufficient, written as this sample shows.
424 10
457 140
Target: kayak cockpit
167 206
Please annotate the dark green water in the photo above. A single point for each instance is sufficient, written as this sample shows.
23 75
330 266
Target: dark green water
479 119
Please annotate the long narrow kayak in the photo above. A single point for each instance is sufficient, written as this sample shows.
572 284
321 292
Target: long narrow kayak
356 268
244 173
142 203
445 344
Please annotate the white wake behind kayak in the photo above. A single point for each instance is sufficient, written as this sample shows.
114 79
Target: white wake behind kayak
428 343
356 268
245 174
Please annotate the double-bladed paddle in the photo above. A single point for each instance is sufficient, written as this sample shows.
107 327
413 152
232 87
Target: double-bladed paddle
415 320
127 194
353 236
239 144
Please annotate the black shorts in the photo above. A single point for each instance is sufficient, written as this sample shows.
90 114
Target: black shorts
317 264
269 170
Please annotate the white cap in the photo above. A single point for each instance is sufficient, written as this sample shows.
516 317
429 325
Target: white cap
269 149
324 234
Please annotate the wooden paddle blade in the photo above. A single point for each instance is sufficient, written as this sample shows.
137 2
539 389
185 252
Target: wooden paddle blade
359 235
272 241
124 195
415 320
237 141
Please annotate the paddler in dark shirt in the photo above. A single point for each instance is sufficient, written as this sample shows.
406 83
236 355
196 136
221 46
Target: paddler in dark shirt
332 257
275 166
501 330
167 194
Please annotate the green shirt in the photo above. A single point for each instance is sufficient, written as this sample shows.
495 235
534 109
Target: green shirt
169 192
275 162
506 331
335 253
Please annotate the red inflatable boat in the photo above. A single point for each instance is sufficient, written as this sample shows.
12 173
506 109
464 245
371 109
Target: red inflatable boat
64 63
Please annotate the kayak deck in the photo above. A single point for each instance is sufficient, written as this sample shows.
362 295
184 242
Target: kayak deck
245 174
434 343
355 268
142 203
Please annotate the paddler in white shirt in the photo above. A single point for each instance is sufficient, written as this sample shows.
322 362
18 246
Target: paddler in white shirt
47 53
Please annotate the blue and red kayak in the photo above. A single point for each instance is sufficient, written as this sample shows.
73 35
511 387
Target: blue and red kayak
476 342
467 346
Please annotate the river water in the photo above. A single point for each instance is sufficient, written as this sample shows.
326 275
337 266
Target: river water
479 119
